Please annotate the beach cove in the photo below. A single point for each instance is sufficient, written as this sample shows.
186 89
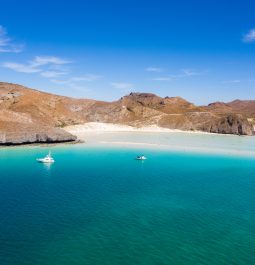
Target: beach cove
181 206
154 137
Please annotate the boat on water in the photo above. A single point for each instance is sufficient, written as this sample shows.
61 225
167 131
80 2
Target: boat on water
142 157
47 159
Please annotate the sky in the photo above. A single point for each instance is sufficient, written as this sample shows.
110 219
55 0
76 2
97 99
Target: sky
203 51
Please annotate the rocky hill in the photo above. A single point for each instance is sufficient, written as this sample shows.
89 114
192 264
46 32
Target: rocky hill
28 116
245 107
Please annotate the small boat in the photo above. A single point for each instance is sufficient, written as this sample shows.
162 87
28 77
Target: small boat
47 159
142 157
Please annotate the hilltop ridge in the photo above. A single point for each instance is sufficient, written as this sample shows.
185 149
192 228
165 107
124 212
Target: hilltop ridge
28 115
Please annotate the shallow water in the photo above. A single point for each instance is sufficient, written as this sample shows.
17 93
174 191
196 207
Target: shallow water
179 141
97 205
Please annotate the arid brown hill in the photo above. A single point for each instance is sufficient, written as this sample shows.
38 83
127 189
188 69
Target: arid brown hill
28 115
244 107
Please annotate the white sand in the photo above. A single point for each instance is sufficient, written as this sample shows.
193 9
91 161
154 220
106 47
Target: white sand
110 127
104 134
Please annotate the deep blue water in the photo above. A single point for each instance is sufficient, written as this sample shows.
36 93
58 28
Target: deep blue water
100 206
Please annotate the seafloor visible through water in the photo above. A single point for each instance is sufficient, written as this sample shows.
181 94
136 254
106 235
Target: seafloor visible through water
97 205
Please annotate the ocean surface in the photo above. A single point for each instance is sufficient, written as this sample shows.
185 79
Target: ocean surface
96 205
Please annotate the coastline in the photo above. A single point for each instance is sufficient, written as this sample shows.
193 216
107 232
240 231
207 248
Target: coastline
41 144
152 138
156 138
110 127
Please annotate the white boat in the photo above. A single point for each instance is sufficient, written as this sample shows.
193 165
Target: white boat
141 157
47 159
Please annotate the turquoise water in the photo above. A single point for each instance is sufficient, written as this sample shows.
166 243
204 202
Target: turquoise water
97 205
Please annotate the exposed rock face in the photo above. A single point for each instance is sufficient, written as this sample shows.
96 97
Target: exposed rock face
30 135
244 107
28 116
25 117
208 122
231 124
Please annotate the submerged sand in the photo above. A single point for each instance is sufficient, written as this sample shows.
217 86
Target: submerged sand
154 137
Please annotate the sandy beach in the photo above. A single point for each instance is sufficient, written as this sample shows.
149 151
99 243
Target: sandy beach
110 127
98 134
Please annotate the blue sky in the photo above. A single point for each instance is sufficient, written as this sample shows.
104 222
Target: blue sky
203 51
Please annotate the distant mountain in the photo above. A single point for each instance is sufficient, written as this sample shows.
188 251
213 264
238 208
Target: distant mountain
244 107
28 115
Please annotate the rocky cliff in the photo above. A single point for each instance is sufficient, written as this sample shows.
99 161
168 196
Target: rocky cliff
28 116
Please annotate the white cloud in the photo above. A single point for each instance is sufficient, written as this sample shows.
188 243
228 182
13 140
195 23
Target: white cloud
250 36
76 82
22 68
6 43
52 74
78 79
124 86
183 73
235 81
163 79
43 60
38 64
71 84
188 72
154 69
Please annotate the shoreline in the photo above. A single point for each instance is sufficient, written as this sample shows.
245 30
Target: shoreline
97 127
43 144
153 137
143 147
102 135
111 127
